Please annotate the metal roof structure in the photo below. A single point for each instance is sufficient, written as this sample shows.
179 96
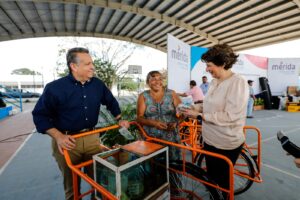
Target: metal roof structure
243 24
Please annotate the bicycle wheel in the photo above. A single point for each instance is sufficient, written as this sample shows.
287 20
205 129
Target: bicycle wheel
185 185
243 166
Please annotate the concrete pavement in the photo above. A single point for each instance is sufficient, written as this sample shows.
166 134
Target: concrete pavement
18 124
33 173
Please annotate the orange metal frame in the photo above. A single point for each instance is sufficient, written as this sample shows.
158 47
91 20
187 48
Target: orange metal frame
192 137
252 149
76 169
192 126
230 191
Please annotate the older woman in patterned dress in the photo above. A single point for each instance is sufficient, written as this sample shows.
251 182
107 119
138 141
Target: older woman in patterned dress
156 111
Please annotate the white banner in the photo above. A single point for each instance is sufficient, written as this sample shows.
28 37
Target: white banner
283 72
252 68
178 65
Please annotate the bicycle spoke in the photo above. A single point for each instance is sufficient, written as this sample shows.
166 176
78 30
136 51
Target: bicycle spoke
186 185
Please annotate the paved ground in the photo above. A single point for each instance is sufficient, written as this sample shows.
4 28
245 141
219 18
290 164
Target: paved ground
281 177
15 125
33 174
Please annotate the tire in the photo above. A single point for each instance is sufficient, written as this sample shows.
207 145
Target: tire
184 187
243 165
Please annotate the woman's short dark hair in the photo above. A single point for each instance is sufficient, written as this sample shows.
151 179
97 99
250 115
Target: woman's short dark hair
193 83
72 55
151 74
220 54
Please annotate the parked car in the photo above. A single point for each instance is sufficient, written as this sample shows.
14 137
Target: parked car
17 93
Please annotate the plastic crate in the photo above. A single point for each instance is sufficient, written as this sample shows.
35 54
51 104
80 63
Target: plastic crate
293 108
4 112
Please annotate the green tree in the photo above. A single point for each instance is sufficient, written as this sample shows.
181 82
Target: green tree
128 84
105 71
109 57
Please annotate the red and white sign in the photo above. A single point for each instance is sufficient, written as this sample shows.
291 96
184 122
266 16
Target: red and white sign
251 67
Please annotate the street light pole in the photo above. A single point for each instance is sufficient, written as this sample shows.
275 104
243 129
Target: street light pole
43 78
33 81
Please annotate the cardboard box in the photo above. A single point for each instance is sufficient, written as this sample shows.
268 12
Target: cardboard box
292 90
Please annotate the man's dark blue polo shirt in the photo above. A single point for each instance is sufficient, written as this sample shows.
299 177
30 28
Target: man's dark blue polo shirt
69 105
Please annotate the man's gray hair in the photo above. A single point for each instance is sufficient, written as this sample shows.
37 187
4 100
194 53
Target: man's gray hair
72 55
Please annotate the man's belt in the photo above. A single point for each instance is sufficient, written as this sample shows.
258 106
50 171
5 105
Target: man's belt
81 131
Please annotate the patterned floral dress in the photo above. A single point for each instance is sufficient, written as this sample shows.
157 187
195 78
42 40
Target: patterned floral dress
163 111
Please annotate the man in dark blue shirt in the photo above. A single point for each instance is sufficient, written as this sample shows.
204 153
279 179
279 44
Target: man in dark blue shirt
70 105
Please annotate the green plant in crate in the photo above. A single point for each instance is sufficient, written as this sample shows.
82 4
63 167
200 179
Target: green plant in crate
113 137
258 102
